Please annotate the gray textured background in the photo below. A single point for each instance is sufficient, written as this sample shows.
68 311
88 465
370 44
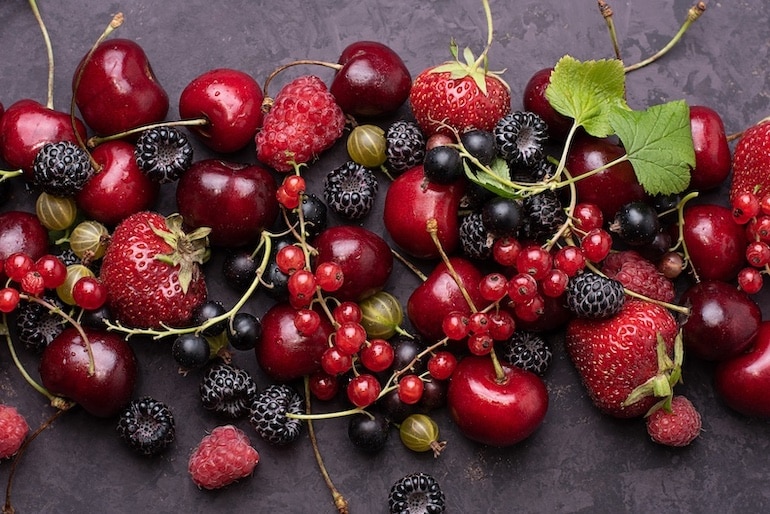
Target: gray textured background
579 460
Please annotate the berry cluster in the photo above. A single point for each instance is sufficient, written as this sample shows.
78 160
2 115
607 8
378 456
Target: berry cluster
753 213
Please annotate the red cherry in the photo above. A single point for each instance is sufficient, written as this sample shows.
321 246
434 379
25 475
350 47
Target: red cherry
231 102
21 232
535 101
742 382
712 153
715 243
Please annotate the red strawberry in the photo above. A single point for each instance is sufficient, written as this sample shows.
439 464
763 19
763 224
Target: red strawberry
460 95
13 431
303 121
751 162
616 356
152 271
222 457
675 425
638 275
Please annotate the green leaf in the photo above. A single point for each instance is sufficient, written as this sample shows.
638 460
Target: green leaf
497 181
658 142
588 91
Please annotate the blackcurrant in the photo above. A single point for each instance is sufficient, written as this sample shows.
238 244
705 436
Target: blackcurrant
636 223
314 213
480 144
443 165
501 216
191 351
96 318
369 432
239 269
434 395
394 409
405 350
243 331
210 309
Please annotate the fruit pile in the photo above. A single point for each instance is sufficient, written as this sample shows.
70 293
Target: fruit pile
260 241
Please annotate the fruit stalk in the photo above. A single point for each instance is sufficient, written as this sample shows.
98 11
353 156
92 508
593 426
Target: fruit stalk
606 12
268 101
48 49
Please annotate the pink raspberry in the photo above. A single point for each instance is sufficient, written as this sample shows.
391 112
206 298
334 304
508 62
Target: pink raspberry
13 431
677 427
639 275
222 457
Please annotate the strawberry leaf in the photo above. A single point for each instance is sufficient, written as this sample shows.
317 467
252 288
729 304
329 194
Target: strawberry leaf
588 91
658 142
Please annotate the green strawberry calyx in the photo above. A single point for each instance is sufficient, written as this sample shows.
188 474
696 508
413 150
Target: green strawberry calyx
474 67
189 249
662 384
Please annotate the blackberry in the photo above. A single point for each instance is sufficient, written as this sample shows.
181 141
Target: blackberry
542 170
416 493
228 390
147 426
475 239
543 216
163 153
405 146
37 326
62 168
528 351
590 295
268 414
350 190
520 137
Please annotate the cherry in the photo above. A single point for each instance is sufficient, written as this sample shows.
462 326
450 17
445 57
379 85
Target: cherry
64 370
712 153
237 201
364 256
410 203
21 232
282 352
117 90
26 126
608 189
230 101
742 382
492 410
119 189
372 81
722 323
535 101
715 243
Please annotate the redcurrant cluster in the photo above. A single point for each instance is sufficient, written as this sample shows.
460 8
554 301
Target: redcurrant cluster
754 214
290 191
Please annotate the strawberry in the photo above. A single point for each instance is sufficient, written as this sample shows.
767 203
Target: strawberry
13 431
675 425
751 162
152 271
460 96
303 121
638 275
621 355
222 457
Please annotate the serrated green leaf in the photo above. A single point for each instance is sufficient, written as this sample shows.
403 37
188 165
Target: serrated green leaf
496 181
588 91
658 142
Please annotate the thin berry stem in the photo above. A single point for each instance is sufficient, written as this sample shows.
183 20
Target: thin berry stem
48 50
11 348
432 228
8 174
606 12
193 122
268 102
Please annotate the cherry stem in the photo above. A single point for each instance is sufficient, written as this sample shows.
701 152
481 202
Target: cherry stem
48 49
680 236
8 508
8 174
410 266
606 12
432 227
339 500
193 122
37 387
738 135
693 14
499 371
268 101
482 58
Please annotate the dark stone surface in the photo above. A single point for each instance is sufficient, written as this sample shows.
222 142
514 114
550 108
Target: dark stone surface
579 460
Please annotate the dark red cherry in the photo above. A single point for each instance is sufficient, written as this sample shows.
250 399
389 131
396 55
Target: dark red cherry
118 89
535 101
21 232
373 80
231 101
712 153
715 243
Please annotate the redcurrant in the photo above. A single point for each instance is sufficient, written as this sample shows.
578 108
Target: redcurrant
442 364
52 269
89 293
306 321
750 280
349 337
329 277
335 362
323 385
455 325
363 390
9 299
410 389
493 287
377 355
289 259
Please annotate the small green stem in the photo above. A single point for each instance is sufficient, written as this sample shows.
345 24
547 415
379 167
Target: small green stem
37 387
8 174
499 371
194 122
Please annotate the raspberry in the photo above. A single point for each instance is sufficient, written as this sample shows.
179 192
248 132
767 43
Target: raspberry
590 295
639 275
228 390
62 169
350 190
528 351
520 137
13 431
268 414
222 457
163 153
678 426
416 492
475 240
147 426
405 146
303 122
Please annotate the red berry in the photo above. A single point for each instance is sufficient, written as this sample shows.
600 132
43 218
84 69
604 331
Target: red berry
478 323
17 265
32 283
758 254
678 426
289 201
554 283
307 321
52 269
745 206
410 389
349 337
569 259
329 276
323 385
588 216
301 285
222 457
334 362
363 390
759 228
480 343
377 355
596 244
294 185
441 365
9 299
522 287
347 311
750 280
505 251
501 325
455 325
531 310
534 260
13 431
493 287
289 259
89 293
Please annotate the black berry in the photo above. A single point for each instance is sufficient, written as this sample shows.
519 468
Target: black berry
62 169
416 492
590 295
350 190
163 153
268 414
228 390
147 426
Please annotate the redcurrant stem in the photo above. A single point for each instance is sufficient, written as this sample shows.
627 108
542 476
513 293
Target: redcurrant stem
692 15
490 31
268 102
48 49
8 508
606 12
339 501
95 141
432 227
